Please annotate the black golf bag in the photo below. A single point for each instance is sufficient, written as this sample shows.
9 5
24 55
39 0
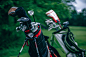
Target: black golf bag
39 45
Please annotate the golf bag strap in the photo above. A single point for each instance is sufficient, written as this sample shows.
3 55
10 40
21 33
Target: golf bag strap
59 30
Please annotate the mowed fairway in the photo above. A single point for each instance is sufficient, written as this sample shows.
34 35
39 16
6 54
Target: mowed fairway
79 34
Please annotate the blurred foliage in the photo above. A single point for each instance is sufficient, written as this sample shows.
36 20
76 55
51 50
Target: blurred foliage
78 19
8 35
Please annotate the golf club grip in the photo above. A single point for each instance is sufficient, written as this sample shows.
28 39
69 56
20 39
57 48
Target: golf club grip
59 30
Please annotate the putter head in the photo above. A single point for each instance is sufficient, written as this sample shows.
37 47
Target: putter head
31 12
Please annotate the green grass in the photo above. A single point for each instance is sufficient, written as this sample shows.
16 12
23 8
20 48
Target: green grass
79 34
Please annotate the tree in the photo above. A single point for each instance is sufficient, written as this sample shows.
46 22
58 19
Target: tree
8 23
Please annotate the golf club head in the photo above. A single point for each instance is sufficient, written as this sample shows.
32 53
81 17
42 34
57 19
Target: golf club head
53 15
31 12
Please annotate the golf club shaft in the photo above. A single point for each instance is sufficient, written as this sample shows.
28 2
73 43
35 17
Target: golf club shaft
36 47
21 49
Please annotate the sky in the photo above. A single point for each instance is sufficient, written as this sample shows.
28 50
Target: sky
80 4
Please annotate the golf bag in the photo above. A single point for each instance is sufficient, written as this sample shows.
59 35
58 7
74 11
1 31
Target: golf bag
64 36
39 45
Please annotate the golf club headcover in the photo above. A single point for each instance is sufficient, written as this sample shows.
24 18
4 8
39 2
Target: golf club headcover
17 11
20 12
53 15
12 11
